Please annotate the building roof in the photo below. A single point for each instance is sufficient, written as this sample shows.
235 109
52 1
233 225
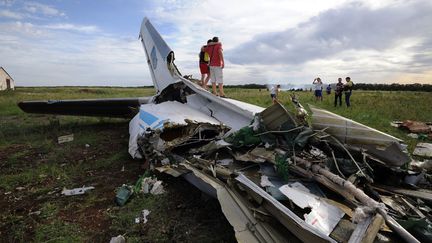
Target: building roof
7 73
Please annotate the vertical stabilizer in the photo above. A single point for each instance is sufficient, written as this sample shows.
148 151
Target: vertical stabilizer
160 57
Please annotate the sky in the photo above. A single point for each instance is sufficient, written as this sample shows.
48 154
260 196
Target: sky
95 42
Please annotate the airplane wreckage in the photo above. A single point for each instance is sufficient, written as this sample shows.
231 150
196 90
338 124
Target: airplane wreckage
277 177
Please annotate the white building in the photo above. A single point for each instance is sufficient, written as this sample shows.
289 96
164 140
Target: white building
6 81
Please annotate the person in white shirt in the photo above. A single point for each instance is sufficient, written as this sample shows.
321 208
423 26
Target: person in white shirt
318 88
274 91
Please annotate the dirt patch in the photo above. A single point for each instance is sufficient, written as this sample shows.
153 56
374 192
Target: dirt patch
181 214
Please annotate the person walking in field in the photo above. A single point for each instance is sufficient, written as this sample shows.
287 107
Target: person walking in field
204 65
338 92
217 63
318 89
274 92
328 89
348 90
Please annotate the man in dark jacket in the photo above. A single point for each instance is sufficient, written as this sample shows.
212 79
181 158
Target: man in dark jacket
348 90
338 92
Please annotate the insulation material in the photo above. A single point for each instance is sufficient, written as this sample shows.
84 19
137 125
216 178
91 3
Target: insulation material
161 116
323 216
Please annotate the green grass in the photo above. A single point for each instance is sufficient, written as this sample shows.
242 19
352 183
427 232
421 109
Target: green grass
31 158
59 231
372 108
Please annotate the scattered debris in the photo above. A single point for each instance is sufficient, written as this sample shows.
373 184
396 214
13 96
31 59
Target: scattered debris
416 126
118 239
422 165
277 167
339 180
418 130
145 184
123 194
145 213
87 145
143 217
35 213
76 191
149 185
413 135
423 150
65 139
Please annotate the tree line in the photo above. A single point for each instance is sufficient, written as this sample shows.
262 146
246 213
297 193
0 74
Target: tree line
358 86
394 87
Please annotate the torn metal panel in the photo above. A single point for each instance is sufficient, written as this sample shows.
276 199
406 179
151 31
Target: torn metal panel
76 191
173 120
349 131
176 172
296 225
357 134
360 230
65 139
422 165
274 116
233 114
421 193
324 217
246 227
423 150
393 155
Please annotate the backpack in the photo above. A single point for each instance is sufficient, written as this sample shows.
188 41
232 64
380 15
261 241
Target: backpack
204 57
349 88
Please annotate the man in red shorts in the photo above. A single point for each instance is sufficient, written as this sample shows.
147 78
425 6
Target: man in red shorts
216 65
204 65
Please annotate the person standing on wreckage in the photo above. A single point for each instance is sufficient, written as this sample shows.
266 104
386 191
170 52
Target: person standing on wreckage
204 65
217 63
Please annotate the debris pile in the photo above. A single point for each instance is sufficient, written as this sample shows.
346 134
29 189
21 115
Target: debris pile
144 185
417 129
280 177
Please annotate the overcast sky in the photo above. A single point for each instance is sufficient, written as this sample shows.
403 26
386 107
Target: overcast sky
80 42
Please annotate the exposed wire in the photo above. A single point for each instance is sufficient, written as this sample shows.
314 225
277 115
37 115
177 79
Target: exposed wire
349 154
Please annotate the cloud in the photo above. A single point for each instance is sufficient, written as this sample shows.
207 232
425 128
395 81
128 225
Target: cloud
6 3
43 9
352 27
264 41
10 14
37 55
72 27
21 29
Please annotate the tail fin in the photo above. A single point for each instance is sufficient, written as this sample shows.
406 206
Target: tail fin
160 57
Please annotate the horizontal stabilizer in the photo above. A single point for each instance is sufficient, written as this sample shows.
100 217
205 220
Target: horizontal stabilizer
114 107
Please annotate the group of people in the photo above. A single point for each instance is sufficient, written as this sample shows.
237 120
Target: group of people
211 63
339 90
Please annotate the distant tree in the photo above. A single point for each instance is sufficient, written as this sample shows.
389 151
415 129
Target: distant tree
394 87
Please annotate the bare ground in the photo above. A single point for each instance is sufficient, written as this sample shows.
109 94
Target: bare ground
33 208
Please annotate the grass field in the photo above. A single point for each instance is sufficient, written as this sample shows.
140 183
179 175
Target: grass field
34 169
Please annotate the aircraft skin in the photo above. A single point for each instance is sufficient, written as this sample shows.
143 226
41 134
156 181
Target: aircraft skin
180 102
165 75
